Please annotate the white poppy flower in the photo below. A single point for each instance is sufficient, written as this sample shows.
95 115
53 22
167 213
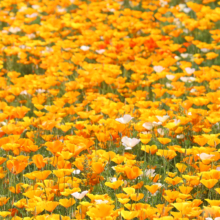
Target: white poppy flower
205 50
177 58
79 195
176 121
146 132
113 179
193 90
160 131
155 123
170 77
168 85
217 218
76 172
32 15
163 3
187 79
192 79
158 69
150 173
187 10
189 70
184 79
24 92
181 6
22 47
204 156
35 6
184 55
40 90
84 48
180 136
101 51
31 36
148 125
163 118
129 143
14 30
125 119
61 10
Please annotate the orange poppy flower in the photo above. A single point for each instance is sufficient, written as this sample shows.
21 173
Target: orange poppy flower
42 175
2 160
15 166
5 214
39 161
137 196
211 55
173 181
118 159
209 183
152 189
168 154
181 167
3 200
123 201
101 211
62 172
129 214
50 206
32 193
98 167
185 189
171 196
149 149
133 172
213 202
54 147
16 189
114 185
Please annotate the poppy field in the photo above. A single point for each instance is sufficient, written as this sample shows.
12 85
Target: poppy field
110 109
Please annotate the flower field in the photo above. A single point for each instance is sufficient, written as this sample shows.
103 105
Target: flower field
110 109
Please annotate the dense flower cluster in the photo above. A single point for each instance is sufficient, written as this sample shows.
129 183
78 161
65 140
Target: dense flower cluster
109 109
